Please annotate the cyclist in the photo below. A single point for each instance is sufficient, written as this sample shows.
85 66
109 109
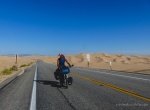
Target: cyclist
60 64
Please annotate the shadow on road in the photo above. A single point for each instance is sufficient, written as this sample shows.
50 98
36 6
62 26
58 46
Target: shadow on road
52 83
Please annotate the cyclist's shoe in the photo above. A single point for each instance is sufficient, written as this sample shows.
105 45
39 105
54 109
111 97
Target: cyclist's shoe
62 85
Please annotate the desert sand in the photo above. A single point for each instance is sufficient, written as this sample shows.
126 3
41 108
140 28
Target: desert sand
138 64
132 63
7 62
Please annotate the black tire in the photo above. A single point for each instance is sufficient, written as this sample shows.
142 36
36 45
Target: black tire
61 80
66 82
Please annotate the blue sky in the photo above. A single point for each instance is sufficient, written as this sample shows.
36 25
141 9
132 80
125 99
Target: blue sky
49 27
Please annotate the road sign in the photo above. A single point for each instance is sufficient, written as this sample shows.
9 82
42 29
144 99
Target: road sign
88 57
110 64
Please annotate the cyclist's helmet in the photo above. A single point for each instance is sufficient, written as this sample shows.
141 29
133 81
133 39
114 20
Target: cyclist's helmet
62 56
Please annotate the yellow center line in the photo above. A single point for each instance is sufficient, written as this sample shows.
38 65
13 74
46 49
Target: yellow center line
114 87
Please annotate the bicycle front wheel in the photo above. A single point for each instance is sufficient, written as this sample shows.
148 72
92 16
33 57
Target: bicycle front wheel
66 81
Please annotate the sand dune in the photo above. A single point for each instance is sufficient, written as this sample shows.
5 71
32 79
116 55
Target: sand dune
139 64
99 60
120 62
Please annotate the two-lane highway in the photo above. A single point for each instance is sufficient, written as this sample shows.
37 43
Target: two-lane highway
17 95
91 90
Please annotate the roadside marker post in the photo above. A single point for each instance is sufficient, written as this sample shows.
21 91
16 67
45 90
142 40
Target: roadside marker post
88 59
110 64
16 58
16 63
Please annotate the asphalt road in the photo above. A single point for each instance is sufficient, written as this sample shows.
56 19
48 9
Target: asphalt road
91 90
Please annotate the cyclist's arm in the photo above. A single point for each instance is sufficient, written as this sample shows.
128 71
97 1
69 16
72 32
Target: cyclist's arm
68 62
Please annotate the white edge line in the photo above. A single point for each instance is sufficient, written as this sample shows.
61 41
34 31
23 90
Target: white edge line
33 96
115 74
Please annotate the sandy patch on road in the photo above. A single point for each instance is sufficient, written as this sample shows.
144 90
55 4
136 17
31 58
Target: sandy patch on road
138 64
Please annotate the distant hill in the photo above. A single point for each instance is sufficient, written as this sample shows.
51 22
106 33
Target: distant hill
19 55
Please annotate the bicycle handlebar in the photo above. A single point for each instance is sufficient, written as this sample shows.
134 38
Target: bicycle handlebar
70 66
